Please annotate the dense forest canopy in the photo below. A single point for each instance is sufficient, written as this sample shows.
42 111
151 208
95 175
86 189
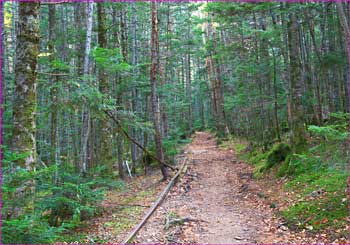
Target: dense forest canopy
96 92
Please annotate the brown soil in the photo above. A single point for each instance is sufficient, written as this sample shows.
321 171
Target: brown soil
218 200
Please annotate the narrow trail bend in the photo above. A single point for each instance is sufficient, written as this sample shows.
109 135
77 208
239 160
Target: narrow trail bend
217 200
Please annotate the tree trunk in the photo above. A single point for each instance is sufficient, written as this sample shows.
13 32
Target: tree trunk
135 94
275 94
79 18
346 33
218 87
105 146
25 99
120 155
188 78
86 115
53 90
153 80
298 140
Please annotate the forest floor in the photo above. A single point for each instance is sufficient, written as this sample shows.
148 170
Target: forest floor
216 201
120 211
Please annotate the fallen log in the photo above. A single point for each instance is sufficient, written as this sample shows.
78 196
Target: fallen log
110 115
155 205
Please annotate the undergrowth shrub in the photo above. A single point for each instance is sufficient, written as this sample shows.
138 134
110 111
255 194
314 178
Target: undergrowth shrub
29 230
277 155
58 205
317 177
296 164
74 197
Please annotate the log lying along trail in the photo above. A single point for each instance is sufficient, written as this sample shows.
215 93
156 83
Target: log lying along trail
156 204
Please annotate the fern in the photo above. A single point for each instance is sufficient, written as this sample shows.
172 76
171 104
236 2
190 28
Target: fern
328 132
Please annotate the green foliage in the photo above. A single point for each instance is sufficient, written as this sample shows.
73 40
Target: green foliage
170 147
329 132
257 156
110 59
76 199
296 164
319 187
331 145
277 155
263 161
29 230
59 65
332 59
56 206
339 117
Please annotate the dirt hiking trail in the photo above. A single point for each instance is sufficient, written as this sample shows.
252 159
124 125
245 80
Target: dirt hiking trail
216 201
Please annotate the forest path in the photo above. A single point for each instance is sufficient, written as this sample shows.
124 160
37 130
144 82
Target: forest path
217 201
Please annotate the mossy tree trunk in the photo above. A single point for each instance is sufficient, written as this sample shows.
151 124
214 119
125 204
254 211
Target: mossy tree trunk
25 99
297 137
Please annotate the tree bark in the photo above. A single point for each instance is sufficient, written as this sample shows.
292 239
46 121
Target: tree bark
188 77
298 140
79 18
135 93
105 146
54 80
25 99
153 80
86 114
218 88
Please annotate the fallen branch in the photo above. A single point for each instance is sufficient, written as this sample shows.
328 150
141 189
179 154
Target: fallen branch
137 143
155 205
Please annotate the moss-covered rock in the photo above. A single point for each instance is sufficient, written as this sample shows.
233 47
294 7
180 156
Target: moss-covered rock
277 155
286 168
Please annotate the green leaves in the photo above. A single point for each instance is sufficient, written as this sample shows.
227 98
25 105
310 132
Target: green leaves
28 230
328 132
60 65
110 60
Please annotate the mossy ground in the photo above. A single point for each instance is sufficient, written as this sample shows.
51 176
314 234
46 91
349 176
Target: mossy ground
127 209
322 201
308 209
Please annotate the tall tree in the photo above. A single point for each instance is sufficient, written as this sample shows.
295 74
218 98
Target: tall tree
25 100
154 97
105 146
86 113
54 80
298 140
214 76
135 93
188 74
